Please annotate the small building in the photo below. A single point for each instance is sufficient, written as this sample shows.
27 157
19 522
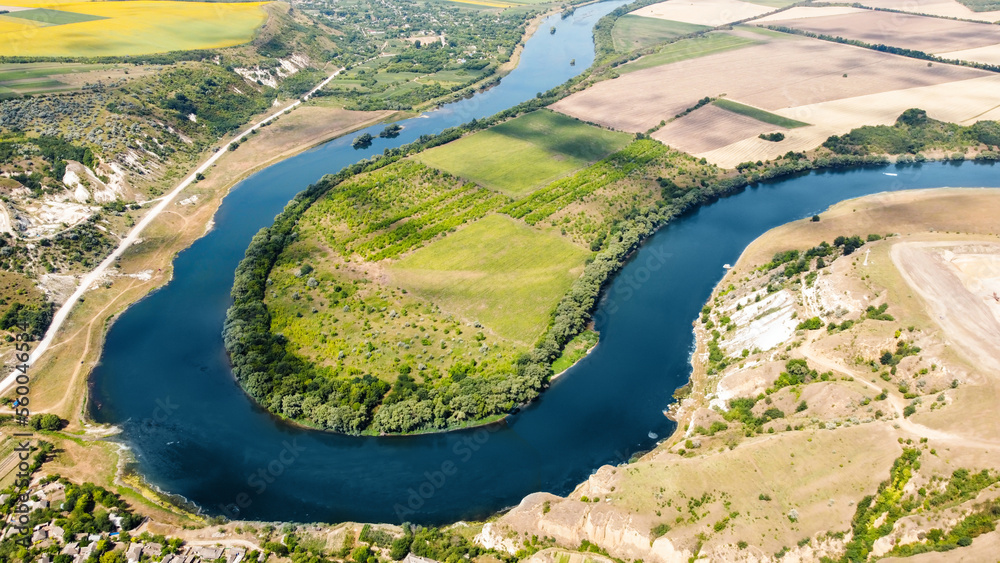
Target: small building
39 535
70 549
116 519
235 555
133 553
152 549
209 553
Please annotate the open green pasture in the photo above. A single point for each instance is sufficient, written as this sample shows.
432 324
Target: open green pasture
497 270
637 32
525 153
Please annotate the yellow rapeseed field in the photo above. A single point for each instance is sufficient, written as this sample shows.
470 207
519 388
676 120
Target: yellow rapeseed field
128 28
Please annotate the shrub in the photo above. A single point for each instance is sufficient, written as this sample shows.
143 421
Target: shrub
814 323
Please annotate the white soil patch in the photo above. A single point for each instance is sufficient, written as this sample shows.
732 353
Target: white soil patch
6 225
87 186
960 285
703 12
53 215
764 324
57 287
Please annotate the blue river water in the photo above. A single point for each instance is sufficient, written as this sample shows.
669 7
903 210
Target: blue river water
164 377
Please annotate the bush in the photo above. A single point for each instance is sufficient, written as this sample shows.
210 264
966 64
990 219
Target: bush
48 422
659 530
814 323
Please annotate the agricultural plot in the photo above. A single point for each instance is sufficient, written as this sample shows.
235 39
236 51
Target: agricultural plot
799 72
498 270
921 33
395 209
802 12
704 12
93 29
692 48
709 128
585 206
636 32
526 153
944 8
39 78
963 102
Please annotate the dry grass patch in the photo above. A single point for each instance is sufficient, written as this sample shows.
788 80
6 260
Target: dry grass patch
800 12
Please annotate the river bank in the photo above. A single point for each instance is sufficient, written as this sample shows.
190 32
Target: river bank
809 449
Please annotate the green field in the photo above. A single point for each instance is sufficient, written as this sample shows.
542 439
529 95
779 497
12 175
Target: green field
758 114
526 153
53 17
689 49
39 78
497 270
637 32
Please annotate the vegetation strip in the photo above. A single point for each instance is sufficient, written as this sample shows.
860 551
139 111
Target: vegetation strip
758 114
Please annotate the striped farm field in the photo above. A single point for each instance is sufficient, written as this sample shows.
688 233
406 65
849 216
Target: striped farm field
524 154
141 27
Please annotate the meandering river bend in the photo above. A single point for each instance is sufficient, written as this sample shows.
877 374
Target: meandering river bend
165 380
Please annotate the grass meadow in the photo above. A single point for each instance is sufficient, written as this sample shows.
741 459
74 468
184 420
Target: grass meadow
497 270
637 32
526 153
686 49
94 29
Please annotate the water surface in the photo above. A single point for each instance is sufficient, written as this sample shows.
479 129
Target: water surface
165 379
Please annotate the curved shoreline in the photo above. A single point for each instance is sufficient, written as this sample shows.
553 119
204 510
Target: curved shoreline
217 198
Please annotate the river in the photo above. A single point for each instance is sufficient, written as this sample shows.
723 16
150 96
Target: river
165 380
